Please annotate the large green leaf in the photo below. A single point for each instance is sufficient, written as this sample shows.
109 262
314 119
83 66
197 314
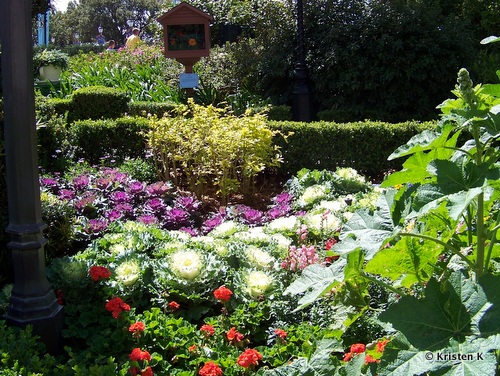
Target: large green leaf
409 261
367 231
315 280
450 310
320 363
427 140
467 358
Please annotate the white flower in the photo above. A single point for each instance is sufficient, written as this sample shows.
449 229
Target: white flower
180 235
257 283
323 222
128 272
225 229
282 240
334 206
186 264
284 224
117 249
350 174
312 194
253 235
258 257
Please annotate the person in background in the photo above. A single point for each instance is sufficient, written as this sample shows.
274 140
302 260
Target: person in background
133 40
111 45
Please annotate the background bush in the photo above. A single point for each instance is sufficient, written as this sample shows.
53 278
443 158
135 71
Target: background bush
363 146
113 139
96 102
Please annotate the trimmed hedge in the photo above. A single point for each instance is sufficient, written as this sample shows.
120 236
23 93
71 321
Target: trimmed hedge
96 102
116 139
158 109
363 146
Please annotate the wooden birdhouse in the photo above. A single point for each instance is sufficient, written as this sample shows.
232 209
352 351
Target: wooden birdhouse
186 34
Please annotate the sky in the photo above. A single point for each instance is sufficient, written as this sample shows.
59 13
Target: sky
60 5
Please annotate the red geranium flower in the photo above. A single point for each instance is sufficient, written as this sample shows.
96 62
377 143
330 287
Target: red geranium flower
371 359
280 333
192 348
116 306
234 335
347 356
147 372
250 357
207 329
136 327
381 345
174 306
358 348
99 272
210 369
137 354
223 294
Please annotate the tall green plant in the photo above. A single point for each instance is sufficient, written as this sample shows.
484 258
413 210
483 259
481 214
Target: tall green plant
431 240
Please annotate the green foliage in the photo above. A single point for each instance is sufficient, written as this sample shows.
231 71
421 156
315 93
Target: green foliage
46 57
433 241
140 169
371 60
96 102
85 17
21 353
212 145
322 145
158 109
119 139
59 218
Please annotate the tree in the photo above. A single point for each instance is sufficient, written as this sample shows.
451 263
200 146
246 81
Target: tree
86 16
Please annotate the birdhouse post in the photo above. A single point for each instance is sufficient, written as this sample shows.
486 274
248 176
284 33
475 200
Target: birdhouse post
186 37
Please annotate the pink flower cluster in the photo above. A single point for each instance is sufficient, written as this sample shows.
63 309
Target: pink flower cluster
299 258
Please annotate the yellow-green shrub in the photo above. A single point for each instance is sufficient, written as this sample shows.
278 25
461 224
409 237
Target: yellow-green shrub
210 146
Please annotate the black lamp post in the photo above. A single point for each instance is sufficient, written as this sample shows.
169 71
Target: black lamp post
301 93
32 301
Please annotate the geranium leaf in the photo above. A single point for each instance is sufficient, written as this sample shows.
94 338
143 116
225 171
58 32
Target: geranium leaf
447 311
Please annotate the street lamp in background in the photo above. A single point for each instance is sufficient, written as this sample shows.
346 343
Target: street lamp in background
301 93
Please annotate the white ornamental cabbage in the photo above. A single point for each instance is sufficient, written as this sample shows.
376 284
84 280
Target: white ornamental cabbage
257 283
128 272
186 264
284 224
259 258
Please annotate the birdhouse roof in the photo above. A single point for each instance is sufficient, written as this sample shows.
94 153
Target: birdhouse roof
184 14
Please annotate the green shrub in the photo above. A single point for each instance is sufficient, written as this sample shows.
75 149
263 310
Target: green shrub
96 102
363 146
54 152
212 146
140 169
59 218
158 109
275 113
117 139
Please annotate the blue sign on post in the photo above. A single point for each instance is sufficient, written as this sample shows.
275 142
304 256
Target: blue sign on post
188 80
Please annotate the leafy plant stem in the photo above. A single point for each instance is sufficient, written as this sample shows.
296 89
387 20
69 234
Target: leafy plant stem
480 264
383 284
492 243
445 245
